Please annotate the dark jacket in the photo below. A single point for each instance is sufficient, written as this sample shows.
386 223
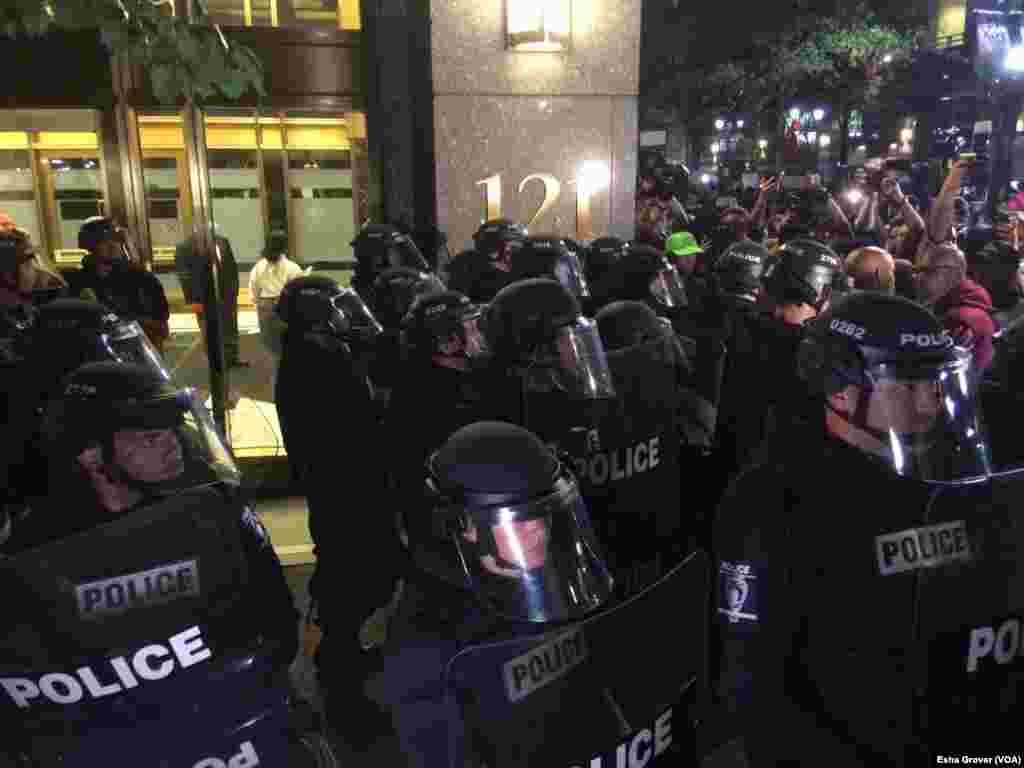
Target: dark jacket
130 291
966 312
194 271
837 645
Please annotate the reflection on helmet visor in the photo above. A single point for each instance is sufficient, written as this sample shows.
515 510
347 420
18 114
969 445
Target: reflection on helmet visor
569 274
574 363
928 420
474 341
402 252
667 288
352 315
537 561
128 344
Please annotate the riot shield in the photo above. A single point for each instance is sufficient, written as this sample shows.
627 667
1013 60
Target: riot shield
122 636
622 684
970 612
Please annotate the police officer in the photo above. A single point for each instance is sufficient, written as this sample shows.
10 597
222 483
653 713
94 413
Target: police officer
630 472
602 254
378 247
728 332
438 391
142 534
503 546
547 370
645 274
856 618
55 340
323 389
109 276
395 290
797 288
483 271
550 256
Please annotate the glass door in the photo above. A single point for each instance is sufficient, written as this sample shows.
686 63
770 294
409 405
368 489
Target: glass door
72 191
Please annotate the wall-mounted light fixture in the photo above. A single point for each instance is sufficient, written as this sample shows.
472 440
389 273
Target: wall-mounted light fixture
591 179
539 25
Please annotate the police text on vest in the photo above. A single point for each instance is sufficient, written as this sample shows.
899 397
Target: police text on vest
1001 643
637 750
621 463
149 664
246 758
543 664
922 547
107 597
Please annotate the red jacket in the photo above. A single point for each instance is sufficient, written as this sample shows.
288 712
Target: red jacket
966 312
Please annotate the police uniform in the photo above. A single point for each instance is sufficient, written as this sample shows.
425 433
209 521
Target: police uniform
860 594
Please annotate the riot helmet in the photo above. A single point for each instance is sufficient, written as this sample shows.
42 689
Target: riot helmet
626 324
507 522
536 327
380 246
739 269
646 274
317 303
445 324
1000 270
126 427
549 256
433 244
395 290
603 254
914 405
805 272
67 333
488 239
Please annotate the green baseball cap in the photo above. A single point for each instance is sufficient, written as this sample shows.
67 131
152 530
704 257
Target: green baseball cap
682 244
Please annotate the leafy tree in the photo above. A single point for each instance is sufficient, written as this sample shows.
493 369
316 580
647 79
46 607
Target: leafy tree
190 61
849 62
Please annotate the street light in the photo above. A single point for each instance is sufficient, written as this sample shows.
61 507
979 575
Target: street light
714 148
819 114
739 123
825 140
887 59
763 143
704 178
719 124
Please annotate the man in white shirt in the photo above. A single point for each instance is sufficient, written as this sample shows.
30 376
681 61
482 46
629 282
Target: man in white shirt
266 281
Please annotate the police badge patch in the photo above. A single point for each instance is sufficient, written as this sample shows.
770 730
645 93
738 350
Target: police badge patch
737 588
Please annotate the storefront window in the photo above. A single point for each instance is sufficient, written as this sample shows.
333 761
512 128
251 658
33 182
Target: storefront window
51 181
17 190
339 14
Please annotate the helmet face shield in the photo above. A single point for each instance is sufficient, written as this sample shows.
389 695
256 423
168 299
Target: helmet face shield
474 342
569 273
128 344
668 290
350 317
536 561
402 252
574 363
928 420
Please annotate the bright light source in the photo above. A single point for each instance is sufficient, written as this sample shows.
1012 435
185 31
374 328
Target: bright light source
887 59
719 124
1020 126
739 123
763 143
593 177
854 195
906 135
794 113
539 25
893 147
704 178
715 147
825 140
1015 59
862 148
819 114
812 136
